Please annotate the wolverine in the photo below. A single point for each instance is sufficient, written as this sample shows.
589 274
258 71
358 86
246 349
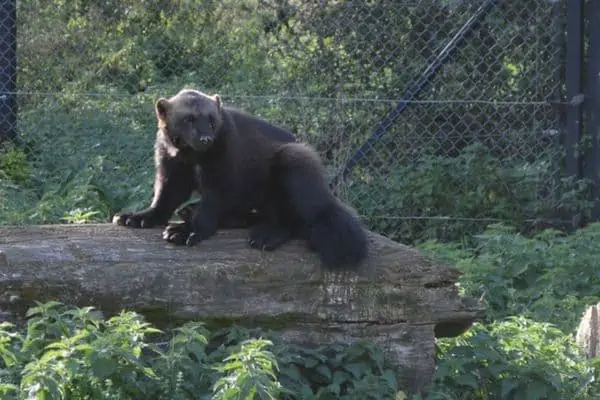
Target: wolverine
250 173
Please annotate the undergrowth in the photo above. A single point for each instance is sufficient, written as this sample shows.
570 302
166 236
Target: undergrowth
75 353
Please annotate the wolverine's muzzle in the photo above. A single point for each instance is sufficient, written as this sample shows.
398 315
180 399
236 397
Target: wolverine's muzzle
202 143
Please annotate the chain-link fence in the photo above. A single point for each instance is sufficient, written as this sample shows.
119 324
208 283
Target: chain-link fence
435 118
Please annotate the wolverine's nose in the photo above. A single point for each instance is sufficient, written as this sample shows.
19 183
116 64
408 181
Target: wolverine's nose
203 142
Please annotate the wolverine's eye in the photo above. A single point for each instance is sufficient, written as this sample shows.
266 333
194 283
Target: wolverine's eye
211 121
176 141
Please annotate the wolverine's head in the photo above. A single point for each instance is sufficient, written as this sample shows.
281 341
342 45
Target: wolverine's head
190 119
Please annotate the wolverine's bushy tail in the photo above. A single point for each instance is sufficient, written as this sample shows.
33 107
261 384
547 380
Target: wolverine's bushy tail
338 237
332 229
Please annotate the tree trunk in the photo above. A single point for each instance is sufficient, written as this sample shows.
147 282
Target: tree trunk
400 300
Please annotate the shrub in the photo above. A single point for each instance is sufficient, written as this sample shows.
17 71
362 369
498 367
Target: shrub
14 165
452 198
536 289
549 277
513 359
74 353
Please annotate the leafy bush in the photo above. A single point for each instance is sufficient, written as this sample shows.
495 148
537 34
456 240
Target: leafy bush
87 176
452 198
89 72
536 289
14 165
549 277
74 353
513 359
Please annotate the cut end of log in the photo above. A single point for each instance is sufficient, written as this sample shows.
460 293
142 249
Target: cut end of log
588 332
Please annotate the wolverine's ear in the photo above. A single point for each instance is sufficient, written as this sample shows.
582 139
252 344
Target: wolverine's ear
162 106
217 100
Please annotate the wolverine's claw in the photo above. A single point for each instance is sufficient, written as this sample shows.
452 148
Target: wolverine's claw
192 239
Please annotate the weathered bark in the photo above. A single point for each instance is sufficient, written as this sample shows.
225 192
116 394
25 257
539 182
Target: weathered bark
400 300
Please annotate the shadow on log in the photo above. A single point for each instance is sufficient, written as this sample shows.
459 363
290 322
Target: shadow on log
401 300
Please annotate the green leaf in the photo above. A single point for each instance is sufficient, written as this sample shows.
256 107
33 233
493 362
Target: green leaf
324 371
310 362
340 377
467 380
356 369
306 393
536 390
292 372
390 377
507 387
103 367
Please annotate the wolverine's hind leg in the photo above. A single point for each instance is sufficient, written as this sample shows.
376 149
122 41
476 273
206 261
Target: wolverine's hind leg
273 230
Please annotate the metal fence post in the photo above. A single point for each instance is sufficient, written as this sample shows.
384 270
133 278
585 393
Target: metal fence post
8 69
574 82
592 105
573 71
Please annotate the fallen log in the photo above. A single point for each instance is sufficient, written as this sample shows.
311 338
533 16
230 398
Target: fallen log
400 300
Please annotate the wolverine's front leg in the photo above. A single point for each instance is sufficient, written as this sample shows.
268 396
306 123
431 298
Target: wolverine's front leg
202 221
173 184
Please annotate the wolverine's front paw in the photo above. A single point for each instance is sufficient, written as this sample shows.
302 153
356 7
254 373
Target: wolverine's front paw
135 220
180 234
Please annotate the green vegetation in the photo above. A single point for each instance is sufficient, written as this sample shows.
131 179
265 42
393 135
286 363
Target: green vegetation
456 197
470 173
76 354
536 289
515 358
90 71
547 277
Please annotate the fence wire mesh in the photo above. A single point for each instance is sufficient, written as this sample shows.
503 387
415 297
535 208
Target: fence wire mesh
480 143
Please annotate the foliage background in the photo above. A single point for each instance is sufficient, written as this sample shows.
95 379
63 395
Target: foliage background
480 144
